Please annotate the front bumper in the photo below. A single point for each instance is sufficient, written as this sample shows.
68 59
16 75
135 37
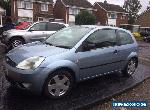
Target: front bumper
35 78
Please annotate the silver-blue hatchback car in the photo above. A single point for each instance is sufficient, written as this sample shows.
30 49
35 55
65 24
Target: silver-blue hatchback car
71 55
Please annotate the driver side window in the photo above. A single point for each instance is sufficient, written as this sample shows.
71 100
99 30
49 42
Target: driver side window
39 27
103 38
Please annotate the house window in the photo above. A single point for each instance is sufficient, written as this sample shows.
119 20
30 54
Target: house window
21 4
112 15
90 11
28 5
40 19
74 11
44 7
123 16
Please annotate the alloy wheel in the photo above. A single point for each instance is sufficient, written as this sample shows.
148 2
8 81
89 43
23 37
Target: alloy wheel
58 85
131 67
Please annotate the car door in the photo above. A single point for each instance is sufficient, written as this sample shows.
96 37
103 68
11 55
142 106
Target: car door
38 32
125 47
53 27
102 57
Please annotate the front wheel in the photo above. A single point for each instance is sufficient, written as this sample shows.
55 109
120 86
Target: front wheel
58 84
130 68
15 42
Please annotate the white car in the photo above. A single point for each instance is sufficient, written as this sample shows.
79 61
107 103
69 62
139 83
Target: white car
37 31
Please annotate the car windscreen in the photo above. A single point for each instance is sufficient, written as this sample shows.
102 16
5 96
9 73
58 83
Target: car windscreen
68 37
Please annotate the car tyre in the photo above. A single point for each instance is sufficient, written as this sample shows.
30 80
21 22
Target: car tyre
130 67
16 42
58 84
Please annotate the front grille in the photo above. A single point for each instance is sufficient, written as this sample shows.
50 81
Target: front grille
10 62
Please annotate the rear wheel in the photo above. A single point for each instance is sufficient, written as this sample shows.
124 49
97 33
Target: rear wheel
15 42
131 67
58 84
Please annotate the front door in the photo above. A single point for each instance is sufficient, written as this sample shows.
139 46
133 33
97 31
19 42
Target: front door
102 57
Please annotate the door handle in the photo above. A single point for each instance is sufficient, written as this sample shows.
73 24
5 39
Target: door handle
116 51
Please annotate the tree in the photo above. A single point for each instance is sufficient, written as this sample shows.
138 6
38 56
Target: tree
6 4
85 18
132 7
148 7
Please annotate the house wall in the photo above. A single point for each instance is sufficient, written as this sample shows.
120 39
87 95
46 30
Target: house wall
44 14
60 11
121 21
32 13
144 19
101 15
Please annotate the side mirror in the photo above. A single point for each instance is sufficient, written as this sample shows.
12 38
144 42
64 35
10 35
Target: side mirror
86 46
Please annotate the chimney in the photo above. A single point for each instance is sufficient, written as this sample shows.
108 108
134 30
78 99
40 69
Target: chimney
105 2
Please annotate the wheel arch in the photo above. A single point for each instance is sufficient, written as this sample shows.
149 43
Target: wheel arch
133 55
21 37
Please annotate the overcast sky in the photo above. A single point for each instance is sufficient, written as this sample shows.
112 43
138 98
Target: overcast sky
121 2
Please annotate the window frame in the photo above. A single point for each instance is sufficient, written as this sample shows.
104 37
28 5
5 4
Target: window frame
119 38
45 6
20 4
105 46
74 11
110 15
29 4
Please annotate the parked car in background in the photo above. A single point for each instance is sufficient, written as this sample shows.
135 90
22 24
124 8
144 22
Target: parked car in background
22 25
71 55
145 35
37 31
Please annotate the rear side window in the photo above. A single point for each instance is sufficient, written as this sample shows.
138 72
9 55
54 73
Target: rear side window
55 26
125 38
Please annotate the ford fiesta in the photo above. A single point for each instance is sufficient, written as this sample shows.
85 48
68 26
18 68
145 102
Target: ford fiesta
71 55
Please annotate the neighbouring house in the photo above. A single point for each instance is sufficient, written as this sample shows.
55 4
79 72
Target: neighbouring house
68 9
110 14
31 10
2 12
144 20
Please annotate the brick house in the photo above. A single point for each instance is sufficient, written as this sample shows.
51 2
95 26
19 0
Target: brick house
144 20
31 10
2 12
68 9
110 14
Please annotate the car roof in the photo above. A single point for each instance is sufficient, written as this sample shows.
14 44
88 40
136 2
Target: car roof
103 27
53 22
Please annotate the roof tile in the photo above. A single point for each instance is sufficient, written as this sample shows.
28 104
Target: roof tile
111 7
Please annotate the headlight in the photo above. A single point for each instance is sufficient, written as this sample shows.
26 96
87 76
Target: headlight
31 63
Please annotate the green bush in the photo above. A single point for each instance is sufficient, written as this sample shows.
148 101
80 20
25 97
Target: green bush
85 18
